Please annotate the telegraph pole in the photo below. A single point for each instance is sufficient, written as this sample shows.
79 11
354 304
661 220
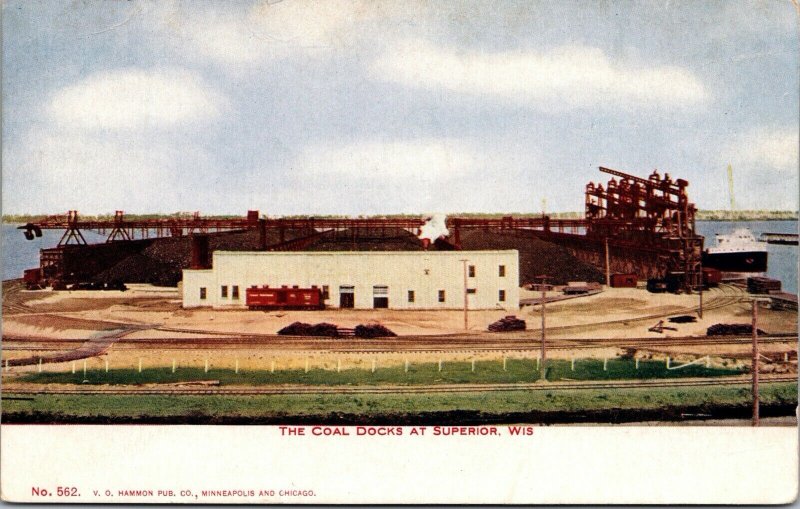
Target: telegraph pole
700 313
754 367
543 367
702 284
466 296
608 267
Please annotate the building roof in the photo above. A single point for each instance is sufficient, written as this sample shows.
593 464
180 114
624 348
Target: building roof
366 253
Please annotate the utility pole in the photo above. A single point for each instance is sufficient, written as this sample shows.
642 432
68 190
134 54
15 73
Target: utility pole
543 367
754 367
702 284
701 302
466 296
608 267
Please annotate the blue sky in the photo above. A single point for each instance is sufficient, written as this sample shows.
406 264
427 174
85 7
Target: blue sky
353 108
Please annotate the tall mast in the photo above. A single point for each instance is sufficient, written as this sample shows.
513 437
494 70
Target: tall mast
730 191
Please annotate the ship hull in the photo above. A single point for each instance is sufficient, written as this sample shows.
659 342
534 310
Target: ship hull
741 261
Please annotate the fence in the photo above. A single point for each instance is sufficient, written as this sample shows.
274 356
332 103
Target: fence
504 363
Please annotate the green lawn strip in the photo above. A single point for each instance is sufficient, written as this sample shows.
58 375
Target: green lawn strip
379 404
517 370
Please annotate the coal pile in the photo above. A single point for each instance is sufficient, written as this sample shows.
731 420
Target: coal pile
367 239
731 329
139 268
306 329
683 319
536 257
160 261
507 324
373 330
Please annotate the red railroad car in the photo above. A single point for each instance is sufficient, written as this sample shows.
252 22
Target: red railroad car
264 297
33 279
711 276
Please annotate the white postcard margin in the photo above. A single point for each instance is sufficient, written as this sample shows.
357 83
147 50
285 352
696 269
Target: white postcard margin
260 464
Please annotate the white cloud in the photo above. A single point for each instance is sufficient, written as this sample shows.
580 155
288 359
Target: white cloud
564 77
274 30
135 98
58 171
412 176
765 170
115 140
770 148
426 159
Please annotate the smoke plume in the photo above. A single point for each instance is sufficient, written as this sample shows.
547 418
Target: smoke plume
433 229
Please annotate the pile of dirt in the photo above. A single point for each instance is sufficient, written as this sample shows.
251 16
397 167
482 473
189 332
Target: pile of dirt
306 329
373 330
731 329
507 323
536 257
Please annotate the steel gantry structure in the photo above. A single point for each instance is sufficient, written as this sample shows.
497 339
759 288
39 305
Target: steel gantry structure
632 224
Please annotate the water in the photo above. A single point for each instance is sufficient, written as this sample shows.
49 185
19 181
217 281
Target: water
20 254
782 260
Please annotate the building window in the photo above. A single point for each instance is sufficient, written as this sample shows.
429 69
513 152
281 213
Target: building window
326 292
202 293
501 296
411 296
224 292
441 295
471 271
471 291
501 271
235 292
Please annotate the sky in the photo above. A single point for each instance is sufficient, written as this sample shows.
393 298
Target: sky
377 107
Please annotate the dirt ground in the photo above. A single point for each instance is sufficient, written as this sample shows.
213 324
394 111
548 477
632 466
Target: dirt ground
616 312
146 311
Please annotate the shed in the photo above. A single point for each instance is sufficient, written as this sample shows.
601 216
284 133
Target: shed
624 280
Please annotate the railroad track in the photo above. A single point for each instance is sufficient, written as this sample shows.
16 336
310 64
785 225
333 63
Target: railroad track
405 345
727 296
13 300
730 295
459 343
398 389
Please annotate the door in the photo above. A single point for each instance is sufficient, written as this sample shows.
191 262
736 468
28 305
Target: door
282 297
380 297
347 297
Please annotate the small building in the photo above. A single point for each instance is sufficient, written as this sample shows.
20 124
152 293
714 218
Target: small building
362 279
763 285
624 280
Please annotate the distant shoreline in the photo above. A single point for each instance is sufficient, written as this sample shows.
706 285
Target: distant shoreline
701 215
744 220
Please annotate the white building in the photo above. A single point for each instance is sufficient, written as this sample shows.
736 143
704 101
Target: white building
362 279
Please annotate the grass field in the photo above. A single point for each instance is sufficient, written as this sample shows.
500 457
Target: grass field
516 370
486 404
